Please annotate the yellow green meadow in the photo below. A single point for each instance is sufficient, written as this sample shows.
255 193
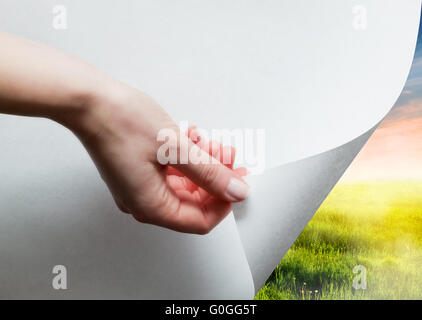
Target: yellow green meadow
377 225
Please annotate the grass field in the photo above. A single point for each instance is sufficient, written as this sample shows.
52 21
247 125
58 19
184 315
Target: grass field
375 225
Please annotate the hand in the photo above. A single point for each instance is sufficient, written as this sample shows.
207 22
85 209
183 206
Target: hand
118 125
120 133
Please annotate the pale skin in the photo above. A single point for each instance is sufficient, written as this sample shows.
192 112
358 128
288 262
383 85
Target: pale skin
118 126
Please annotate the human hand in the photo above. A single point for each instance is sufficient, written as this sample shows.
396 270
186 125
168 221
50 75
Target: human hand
118 126
120 130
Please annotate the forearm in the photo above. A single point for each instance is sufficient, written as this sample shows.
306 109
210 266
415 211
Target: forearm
38 80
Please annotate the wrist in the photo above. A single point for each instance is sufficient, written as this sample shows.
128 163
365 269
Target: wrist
91 108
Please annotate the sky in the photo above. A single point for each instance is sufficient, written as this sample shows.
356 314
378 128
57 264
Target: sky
394 152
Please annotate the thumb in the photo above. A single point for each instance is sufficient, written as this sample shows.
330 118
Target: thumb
210 174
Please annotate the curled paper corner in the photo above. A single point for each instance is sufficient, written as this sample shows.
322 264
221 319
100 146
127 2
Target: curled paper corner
283 200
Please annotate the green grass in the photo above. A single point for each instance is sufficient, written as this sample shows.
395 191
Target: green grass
376 225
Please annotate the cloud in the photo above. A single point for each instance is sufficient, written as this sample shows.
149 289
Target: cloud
411 110
394 152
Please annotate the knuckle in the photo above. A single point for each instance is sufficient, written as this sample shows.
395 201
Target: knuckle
140 218
123 208
139 214
203 230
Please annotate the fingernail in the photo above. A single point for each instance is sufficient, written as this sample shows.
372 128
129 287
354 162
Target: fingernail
194 135
237 189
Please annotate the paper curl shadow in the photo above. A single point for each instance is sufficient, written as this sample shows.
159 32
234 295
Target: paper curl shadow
283 201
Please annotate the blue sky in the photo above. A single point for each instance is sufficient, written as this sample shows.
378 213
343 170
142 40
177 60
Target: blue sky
413 88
